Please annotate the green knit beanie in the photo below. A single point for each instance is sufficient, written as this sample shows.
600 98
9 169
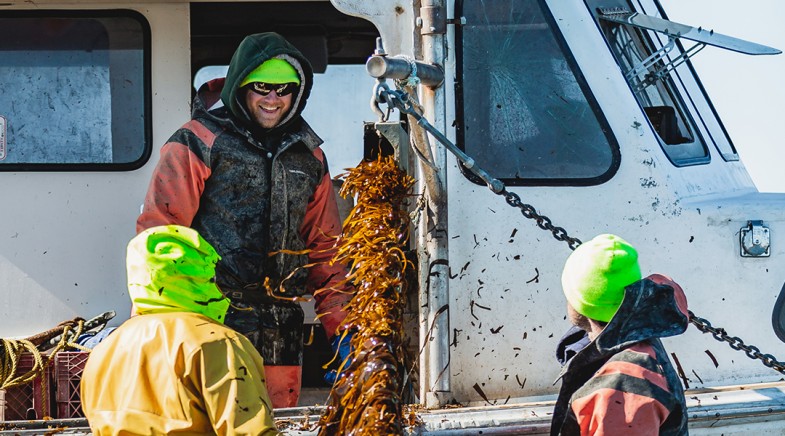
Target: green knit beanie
596 274
275 71
172 269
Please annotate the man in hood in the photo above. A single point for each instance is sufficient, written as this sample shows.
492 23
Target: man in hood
174 367
617 378
248 174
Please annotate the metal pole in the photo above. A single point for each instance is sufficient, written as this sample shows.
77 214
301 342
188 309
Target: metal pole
432 240
397 67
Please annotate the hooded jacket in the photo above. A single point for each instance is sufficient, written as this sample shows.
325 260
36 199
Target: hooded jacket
259 196
175 373
175 369
622 382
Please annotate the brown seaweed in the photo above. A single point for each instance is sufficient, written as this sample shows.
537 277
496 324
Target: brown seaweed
366 400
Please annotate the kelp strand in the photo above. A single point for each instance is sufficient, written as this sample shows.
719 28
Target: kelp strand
366 399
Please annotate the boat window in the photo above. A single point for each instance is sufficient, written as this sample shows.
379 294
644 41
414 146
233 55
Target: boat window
651 53
657 95
76 90
525 113
635 53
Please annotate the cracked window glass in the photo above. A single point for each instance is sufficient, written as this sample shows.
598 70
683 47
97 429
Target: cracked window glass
73 91
527 118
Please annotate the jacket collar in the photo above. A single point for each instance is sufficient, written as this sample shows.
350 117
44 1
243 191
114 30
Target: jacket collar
654 307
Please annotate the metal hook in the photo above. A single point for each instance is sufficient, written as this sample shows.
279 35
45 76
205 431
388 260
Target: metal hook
375 99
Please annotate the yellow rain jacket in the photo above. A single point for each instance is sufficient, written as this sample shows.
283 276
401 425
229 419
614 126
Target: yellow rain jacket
176 373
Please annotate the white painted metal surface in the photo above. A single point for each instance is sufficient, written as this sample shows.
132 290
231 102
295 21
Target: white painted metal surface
684 221
63 236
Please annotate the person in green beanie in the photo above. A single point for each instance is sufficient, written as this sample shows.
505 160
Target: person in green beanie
616 376
175 367
247 172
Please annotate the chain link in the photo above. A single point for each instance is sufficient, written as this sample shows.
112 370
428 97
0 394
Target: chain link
702 324
737 343
543 221
400 100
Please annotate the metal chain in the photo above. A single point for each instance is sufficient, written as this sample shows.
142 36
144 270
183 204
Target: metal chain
701 324
399 99
737 343
542 221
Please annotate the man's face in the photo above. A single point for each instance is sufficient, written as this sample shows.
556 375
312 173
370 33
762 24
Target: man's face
267 110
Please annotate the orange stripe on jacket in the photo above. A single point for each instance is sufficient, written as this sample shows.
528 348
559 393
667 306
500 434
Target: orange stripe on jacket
177 185
635 370
612 412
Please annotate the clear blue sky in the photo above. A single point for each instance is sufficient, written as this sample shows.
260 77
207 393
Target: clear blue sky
747 91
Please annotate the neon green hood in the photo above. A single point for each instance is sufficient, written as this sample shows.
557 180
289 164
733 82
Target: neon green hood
172 269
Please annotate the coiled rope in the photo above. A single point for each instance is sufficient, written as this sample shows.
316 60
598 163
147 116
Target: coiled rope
12 350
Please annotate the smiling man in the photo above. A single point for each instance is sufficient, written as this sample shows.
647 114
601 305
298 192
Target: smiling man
248 174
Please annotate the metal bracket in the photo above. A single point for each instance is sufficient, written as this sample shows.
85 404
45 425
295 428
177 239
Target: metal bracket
386 138
381 66
754 240
434 20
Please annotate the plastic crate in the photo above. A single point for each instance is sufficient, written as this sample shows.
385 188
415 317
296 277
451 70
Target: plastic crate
25 401
68 368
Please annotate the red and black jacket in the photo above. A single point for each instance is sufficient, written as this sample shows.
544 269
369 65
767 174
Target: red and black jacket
623 382
253 192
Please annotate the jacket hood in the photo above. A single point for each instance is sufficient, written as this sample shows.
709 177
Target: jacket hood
654 307
171 268
253 51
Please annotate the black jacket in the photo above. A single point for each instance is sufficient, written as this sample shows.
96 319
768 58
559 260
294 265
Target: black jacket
625 371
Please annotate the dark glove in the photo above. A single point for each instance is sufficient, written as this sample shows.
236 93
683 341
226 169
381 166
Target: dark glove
342 345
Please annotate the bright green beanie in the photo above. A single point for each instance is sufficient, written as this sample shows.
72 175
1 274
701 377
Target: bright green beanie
596 274
275 71
172 269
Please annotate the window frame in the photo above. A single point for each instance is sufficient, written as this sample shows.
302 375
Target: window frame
580 79
147 123
710 130
733 156
676 93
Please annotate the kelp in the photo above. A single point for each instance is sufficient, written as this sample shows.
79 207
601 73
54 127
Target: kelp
366 399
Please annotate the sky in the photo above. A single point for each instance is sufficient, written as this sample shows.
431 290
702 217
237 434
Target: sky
747 91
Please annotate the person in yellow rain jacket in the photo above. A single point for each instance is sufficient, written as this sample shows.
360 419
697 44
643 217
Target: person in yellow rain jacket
175 368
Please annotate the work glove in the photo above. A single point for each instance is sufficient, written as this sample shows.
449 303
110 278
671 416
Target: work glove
342 346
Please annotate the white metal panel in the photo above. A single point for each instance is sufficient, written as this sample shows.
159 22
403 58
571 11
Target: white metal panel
507 309
63 238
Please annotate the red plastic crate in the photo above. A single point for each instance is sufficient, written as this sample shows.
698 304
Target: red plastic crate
25 401
68 368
